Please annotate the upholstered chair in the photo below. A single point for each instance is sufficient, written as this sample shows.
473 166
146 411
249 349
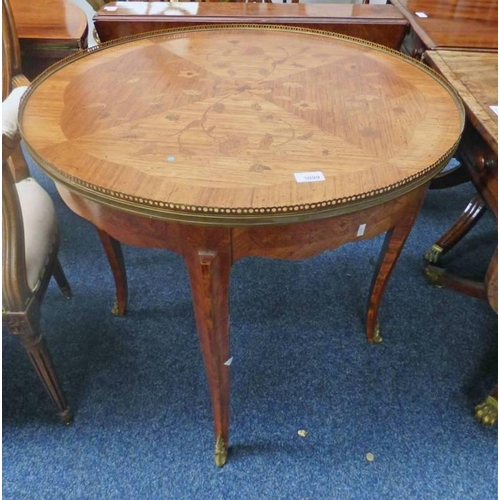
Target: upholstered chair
29 256
12 78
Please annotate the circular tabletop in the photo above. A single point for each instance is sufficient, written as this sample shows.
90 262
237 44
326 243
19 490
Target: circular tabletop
241 124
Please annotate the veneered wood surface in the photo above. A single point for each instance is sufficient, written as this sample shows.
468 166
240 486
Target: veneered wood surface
216 122
453 23
377 23
475 77
46 20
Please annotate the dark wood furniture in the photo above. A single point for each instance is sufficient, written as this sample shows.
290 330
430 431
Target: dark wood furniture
377 23
219 143
451 24
48 31
475 77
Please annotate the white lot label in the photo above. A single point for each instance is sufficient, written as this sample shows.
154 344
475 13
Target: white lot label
309 176
494 109
361 229
421 14
110 8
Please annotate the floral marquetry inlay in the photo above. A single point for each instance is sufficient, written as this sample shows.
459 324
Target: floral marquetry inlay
220 120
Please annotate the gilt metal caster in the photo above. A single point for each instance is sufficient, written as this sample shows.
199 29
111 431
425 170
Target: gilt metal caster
220 455
487 412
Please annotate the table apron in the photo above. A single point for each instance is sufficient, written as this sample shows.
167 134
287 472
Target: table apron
284 241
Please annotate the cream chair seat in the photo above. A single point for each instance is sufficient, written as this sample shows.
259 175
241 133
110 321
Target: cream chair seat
40 227
37 208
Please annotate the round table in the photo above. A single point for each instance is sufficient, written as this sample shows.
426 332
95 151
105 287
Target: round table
225 142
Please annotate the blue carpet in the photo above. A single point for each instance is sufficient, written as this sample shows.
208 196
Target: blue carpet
143 426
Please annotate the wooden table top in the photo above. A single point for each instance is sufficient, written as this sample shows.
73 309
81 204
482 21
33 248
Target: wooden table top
453 23
49 20
226 125
263 12
475 77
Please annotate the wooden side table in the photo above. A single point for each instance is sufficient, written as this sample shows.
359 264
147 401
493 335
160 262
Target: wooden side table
223 142
475 77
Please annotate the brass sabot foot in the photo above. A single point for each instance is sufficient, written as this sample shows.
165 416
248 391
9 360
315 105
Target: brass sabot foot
115 311
377 338
432 254
66 416
434 275
487 413
220 452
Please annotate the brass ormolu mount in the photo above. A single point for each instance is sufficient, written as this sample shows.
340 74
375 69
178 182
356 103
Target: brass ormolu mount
487 412
220 452
431 256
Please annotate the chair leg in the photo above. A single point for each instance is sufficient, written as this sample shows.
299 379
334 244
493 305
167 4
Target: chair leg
114 253
469 218
61 280
39 356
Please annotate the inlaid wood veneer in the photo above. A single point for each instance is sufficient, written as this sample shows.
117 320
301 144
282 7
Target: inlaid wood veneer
212 125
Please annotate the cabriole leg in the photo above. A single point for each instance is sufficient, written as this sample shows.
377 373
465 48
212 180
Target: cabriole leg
208 262
114 253
389 254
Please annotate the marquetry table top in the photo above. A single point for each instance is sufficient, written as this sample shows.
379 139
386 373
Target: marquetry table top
241 125
474 75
